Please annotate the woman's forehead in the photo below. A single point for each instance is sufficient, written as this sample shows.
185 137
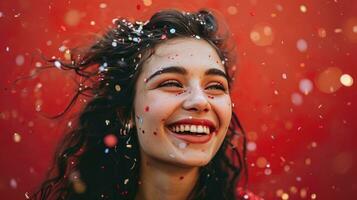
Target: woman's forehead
185 52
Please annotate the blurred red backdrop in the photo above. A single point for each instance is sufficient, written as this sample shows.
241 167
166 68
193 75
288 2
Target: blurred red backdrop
294 90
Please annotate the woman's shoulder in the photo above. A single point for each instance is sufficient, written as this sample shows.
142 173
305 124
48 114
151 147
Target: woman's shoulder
245 194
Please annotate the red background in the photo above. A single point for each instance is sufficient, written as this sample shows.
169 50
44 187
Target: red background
301 143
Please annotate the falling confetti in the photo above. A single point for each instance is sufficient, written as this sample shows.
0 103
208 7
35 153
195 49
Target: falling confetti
13 183
147 2
346 80
301 45
20 60
303 8
305 86
17 137
110 140
296 99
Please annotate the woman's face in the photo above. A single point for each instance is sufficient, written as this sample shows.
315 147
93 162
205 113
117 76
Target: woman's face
182 103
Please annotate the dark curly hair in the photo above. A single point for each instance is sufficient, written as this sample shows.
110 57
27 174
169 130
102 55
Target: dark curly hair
84 167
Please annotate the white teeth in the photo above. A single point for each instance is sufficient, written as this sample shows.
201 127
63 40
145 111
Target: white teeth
191 128
187 127
182 128
200 129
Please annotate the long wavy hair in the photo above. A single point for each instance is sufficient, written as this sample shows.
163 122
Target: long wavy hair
84 166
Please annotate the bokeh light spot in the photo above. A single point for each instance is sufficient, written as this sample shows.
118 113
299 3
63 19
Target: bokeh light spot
328 81
261 162
72 17
321 32
346 80
17 137
232 10
262 35
110 140
303 8
147 2
301 45
305 86
296 99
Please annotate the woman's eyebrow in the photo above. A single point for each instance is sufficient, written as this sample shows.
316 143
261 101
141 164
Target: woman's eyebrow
217 72
183 71
171 69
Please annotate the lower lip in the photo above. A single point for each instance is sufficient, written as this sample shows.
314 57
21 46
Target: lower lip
192 138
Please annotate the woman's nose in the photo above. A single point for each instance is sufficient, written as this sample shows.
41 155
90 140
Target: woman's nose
196 100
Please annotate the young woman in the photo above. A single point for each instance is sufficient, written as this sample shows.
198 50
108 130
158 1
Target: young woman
159 123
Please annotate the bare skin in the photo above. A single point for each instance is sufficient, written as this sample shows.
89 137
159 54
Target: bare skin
196 90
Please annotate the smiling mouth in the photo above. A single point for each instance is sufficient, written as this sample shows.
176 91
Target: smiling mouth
192 133
189 129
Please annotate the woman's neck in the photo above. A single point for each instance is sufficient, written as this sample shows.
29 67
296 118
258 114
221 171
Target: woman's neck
165 181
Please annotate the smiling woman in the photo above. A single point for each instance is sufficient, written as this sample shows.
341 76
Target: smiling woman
159 124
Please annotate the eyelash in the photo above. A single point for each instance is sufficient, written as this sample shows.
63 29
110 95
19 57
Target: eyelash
177 84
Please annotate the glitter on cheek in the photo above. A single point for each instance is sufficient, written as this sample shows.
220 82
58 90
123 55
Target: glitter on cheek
180 92
147 108
182 145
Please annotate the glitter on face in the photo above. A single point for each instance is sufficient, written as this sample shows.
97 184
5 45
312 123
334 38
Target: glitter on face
182 145
346 80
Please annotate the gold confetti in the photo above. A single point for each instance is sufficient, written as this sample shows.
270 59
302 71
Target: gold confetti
303 8
117 88
147 2
17 137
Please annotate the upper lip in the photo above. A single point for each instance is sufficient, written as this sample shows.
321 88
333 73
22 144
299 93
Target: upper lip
193 121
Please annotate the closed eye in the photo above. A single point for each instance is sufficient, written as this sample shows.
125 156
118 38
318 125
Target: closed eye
216 86
170 83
